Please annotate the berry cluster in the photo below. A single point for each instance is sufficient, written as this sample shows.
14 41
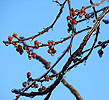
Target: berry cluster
100 51
21 48
73 15
51 47
34 85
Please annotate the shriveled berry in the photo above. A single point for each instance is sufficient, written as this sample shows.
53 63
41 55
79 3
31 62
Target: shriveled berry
21 51
40 89
19 46
103 46
9 38
54 51
29 56
17 49
24 84
28 74
99 42
87 16
75 60
43 88
36 86
100 52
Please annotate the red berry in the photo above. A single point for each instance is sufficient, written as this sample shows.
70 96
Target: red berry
68 18
49 51
51 48
73 13
49 41
29 55
52 42
14 35
24 84
37 47
9 38
21 51
74 21
34 56
36 42
28 74
82 10
76 10
80 15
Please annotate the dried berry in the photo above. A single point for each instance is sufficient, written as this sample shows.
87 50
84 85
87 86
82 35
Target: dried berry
40 89
43 88
36 86
99 42
103 46
100 52
19 46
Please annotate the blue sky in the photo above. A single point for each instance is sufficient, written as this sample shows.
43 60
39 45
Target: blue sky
27 18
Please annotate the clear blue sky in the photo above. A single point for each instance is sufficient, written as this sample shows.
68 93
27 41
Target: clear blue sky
26 18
